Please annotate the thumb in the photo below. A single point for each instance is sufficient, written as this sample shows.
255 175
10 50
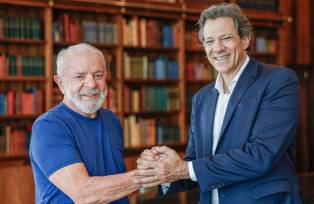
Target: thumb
165 150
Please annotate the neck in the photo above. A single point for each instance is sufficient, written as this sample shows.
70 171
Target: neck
227 78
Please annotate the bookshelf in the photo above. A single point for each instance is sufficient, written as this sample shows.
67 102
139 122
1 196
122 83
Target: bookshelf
22 75
154 60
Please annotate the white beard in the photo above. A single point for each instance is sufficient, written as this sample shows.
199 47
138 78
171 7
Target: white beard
89 106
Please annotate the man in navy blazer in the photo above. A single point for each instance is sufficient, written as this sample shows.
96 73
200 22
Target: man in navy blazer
242 128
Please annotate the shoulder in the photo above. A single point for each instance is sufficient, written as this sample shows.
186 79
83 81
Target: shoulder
53 114
109 117
202 92
105 113
275 79
276 72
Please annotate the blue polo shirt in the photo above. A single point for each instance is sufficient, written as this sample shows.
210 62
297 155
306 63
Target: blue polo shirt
62 137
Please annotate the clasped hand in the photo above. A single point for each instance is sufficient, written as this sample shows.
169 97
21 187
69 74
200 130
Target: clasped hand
160 165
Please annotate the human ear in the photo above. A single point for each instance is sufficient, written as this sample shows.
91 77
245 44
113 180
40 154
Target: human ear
246 41
59 81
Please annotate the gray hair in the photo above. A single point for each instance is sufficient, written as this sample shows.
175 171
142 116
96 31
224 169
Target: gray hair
64 55
241 22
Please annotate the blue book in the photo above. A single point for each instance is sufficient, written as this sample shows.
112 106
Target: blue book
160 68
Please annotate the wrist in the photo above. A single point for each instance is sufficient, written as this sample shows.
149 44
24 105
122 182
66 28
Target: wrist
132 177
184 170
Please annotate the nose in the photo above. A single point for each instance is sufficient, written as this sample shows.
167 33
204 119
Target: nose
218 46
90 81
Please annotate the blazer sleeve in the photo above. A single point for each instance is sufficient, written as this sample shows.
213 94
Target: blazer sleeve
270 137
186 184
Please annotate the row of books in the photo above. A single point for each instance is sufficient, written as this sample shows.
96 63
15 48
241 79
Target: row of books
18 65
143 67
21 27
149 33
191 39
72 30
199 71
191 90
267 5
151 98
265 45
14 140
111 102
148 132
22 102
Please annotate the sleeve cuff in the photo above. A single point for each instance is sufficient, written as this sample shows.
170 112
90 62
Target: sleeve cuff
191 171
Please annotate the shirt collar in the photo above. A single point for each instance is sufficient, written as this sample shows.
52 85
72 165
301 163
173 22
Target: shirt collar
219 79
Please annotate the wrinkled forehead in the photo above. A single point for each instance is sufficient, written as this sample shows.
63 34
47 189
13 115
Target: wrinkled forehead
84 60
219 26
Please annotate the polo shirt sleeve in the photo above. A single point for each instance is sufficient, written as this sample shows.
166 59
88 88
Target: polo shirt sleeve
52 146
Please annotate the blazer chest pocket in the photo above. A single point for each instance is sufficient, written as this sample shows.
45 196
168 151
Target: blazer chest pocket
271 187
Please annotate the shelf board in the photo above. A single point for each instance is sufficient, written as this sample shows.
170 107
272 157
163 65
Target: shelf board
18 117
138 150
151 49
37 3
22 78
13 159
252 14
150 113
199 81
199 50
152 81
263 15
22 41
264 54
98 45
4 156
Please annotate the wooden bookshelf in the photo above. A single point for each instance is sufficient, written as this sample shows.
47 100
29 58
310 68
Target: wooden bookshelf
183 49
181 16
21 41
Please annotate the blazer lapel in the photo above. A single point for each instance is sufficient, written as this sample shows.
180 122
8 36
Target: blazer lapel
210 103
246 79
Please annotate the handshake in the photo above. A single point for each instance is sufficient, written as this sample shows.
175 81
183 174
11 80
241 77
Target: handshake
160 165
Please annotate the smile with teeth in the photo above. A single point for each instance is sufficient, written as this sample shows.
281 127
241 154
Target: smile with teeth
221 57
90 96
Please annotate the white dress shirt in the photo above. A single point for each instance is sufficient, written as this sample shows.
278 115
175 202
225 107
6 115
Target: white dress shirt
221 106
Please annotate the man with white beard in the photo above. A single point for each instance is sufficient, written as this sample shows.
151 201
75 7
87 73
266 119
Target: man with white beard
76 148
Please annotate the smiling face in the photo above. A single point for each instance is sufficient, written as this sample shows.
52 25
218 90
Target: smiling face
83 82
225 50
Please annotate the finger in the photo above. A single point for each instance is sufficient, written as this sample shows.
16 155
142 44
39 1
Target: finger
142 167
155 150
146 172
163 157
149 157
146 180
147 164
165 150
148 152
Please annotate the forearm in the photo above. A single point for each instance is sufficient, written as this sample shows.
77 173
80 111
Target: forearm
107 188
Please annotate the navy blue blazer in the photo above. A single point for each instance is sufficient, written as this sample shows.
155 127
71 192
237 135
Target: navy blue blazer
253 161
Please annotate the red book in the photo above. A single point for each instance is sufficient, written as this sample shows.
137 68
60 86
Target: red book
27 103
66 27
10 98
3 65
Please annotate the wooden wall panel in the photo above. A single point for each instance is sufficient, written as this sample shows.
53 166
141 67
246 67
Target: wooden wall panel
17 185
